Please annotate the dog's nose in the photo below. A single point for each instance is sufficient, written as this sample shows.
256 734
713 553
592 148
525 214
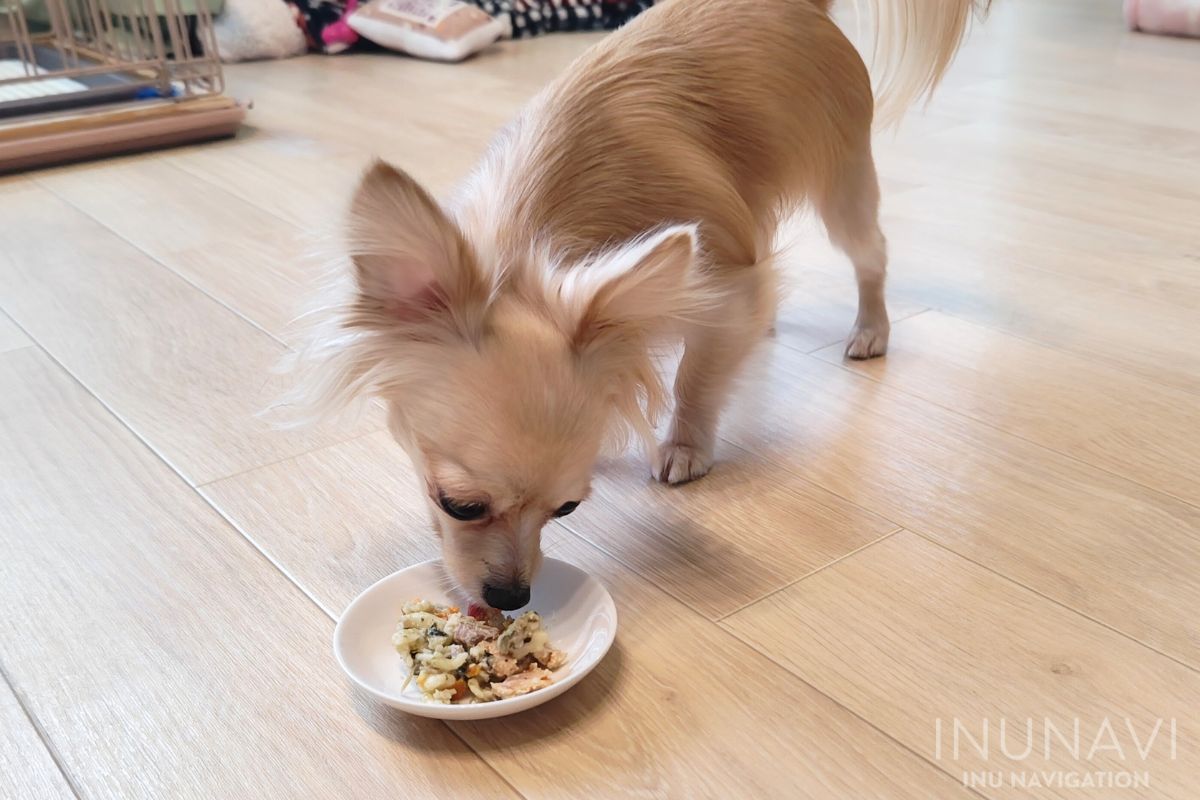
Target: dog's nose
506 598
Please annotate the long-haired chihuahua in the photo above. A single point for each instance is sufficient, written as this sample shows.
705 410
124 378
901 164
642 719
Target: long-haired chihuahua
512 329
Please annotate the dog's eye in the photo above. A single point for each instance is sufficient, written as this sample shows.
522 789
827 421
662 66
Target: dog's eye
566 508
462 511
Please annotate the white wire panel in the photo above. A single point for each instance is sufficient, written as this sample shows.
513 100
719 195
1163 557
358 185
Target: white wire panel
27 90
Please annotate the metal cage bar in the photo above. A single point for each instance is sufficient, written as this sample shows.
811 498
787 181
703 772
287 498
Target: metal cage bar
87 78
95 50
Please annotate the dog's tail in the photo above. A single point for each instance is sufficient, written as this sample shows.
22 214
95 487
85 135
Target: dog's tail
914 43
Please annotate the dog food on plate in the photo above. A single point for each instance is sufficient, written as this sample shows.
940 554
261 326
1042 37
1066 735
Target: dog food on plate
457 658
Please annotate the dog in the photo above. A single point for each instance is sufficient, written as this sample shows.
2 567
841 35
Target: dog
512 329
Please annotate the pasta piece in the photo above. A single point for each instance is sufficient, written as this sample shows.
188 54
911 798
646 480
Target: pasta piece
456 658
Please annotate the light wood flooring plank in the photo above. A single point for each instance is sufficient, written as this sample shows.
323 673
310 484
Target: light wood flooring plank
996 234
907 634
1043 112
188 375
1112 549
243 256
1122 96
435 142
1100 415
722 542
162 655
1068 313
27 770
302 180
11 337
1158 196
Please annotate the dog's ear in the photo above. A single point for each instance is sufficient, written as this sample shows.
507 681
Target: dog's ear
634 291
410 259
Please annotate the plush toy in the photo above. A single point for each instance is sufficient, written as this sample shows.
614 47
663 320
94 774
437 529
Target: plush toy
248 30
1174 17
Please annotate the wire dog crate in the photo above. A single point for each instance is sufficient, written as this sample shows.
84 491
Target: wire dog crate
85 78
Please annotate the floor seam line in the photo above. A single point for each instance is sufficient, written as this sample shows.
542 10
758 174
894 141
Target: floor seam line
43 737
1077 612
1006 432
810 573
171 270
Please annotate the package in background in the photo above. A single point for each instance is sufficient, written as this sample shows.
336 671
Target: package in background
441 30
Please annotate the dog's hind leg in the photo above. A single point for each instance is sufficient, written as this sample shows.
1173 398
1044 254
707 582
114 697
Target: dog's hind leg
849 207
714 349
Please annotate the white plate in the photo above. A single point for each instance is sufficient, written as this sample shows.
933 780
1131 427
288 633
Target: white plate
576 609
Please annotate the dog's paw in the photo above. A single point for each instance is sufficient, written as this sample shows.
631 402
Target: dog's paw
680 463
867 342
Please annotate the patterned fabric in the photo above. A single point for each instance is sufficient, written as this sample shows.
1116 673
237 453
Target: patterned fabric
323 21
535 17
319 20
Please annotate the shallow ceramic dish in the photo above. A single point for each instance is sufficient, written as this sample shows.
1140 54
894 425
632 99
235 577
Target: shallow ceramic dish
575 608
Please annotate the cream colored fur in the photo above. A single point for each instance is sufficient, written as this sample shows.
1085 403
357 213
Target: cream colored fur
634 202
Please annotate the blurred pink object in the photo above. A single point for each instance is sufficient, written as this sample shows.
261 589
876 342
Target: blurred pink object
1175 17
339 36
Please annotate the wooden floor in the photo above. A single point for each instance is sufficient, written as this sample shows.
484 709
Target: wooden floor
997 525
